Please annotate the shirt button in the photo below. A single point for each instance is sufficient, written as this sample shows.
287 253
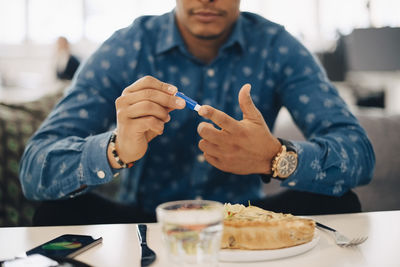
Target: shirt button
101 174
292 183
200 158
210 72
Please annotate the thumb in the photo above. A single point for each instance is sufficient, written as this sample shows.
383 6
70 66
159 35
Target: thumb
246 104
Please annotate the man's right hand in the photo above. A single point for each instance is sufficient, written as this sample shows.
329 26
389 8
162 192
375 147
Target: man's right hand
142 110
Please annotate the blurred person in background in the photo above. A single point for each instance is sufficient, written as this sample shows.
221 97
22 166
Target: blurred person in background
66 62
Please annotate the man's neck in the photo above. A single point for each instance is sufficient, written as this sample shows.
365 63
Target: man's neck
205 50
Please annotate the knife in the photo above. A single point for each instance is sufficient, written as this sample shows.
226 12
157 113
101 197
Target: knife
148 255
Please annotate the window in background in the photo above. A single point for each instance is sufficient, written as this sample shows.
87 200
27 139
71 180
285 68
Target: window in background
318 22
103 17
49 19
385 13
315 22
342 16
12 21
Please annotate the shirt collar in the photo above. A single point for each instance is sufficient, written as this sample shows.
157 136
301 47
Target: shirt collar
237 35
170 36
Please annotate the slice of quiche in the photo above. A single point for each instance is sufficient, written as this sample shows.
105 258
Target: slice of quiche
253 228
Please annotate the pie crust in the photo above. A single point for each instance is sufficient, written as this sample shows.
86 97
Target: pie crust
253 228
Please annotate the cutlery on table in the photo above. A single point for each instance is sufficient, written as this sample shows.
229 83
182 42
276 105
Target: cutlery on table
342 240
148 255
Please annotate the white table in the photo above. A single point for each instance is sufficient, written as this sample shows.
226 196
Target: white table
120 245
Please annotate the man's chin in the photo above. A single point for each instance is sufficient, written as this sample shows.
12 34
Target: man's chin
208 36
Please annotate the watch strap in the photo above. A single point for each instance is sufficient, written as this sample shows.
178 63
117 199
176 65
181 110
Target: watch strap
289 145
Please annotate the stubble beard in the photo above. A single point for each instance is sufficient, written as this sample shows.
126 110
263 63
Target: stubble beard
207 37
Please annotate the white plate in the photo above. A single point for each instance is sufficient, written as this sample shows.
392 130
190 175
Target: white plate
236 255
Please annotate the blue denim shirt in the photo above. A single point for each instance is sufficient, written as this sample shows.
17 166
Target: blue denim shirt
70 148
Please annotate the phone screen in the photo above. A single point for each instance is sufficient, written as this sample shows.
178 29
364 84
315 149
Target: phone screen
65 246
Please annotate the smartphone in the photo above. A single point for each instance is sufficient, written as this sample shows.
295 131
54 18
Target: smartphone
65 246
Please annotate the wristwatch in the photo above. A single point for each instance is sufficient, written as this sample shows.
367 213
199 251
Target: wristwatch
284 163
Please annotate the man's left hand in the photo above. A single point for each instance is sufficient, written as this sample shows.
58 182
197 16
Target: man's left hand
239 147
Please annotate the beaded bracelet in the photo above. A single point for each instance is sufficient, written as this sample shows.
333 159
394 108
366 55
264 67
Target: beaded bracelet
115 153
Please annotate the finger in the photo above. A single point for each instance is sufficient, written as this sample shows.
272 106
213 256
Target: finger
220 118
153 95
214 161
149 135
150 82
208 132
210 148
246 104
149 124
144 109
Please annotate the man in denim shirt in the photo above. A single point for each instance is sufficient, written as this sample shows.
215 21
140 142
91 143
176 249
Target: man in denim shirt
212 52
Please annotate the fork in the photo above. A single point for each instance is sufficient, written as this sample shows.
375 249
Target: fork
148 255
342 240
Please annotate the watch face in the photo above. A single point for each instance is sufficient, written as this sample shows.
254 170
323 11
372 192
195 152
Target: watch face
287 164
